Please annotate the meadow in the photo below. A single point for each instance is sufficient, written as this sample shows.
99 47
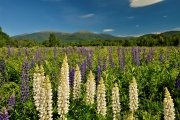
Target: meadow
152 71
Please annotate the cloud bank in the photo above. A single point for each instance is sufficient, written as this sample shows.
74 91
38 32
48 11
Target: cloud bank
108 30
86 16
141 3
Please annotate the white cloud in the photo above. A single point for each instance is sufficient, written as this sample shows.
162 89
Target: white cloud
86 16
108 30
141 3
137 25
165 16
131 17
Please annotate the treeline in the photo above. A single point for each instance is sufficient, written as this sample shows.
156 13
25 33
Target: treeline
149 40
146 40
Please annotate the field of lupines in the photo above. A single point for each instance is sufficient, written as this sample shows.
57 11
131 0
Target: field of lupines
90 83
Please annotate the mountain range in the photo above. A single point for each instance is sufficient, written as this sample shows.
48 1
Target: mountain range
68 37
82 36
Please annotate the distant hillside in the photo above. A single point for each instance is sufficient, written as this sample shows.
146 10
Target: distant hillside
68 37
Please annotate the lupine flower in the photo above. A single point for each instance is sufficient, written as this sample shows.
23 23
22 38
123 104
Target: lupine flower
4 114
144 54
89 59
25 81
168 106
101 98
137 56
115 102
99 61
71 76
90 88
11 101
77 83
133 95
111 58
63 90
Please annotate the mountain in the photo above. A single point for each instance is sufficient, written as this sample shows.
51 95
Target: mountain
67 37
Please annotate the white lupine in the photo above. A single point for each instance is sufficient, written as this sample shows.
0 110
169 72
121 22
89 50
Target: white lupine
38 78
133 95
168 106
101 98
77 83
116 102
63 89
90 89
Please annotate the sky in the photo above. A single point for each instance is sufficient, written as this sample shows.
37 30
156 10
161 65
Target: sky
115 17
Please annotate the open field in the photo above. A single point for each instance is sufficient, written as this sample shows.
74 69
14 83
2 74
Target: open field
153 69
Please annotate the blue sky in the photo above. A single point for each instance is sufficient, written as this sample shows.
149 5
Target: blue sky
116 17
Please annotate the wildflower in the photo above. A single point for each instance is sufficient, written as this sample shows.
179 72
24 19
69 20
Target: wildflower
101 98
168 106
63 89
90 89
77 83
4 114
11 101
115 102
133 95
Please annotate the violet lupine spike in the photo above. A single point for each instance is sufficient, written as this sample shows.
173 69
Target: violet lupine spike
11 101
111 58
25 81
83 70
178 81
98 74
4 114
71 76
3 70
104 64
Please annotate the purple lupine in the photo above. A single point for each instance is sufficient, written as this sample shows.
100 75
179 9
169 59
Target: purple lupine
37 55
111 58
9 49
4 114
26 52
55 53
11 101
104 64
25 81
98 74
150 54
83 70
178 81
71 77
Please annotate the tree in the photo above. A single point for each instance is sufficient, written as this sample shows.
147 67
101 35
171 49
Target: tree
54 41
0 29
